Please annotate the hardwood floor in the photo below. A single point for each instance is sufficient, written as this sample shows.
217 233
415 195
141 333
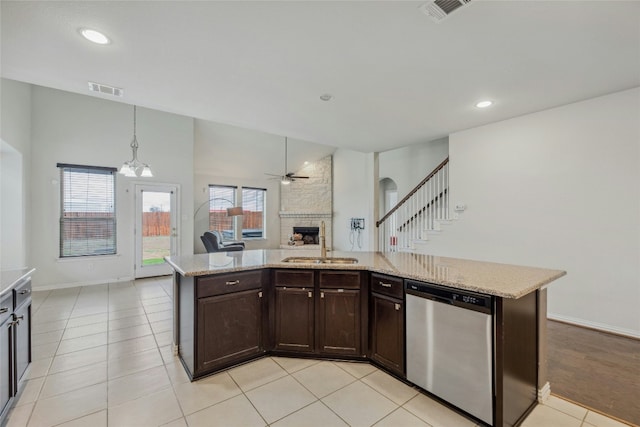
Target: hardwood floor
595 369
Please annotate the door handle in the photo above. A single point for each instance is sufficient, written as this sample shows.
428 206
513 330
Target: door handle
26 291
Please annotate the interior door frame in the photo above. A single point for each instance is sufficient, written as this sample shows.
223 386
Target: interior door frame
160 269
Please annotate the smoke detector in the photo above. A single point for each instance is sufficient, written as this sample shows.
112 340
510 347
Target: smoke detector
106 89
440 9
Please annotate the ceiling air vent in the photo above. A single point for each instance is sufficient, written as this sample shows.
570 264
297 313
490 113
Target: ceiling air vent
105 89
440 9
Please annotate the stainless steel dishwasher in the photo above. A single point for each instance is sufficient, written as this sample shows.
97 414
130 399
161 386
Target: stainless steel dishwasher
450 346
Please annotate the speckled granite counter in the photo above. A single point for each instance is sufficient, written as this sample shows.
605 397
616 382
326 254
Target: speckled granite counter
503 280
9 278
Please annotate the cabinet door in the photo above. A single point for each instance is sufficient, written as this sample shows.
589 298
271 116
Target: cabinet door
23 341
229 329
387 332
294 319
5 357
339 321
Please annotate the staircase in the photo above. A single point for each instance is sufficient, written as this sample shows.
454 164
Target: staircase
419 214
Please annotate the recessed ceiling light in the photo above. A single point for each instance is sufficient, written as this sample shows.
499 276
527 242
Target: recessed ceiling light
94 36
484 104
326 97
306 162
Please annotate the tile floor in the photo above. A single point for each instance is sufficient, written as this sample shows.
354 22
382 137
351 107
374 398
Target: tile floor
102 357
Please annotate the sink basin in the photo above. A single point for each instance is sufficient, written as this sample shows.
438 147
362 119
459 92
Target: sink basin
320 260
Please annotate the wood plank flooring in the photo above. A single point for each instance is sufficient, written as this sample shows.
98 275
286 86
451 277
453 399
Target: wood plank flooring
595 369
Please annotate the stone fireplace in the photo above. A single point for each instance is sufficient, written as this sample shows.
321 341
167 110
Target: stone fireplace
306 203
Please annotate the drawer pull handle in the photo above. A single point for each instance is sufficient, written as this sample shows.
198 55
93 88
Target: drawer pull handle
18 318
234 282
26 291
4 310
260 294
397 307
385 285
310 294
321 294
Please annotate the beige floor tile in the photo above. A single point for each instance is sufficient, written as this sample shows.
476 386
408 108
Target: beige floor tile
160 315
120 312
235 412
47 337
30 392
164 299
401 417
257 373
162 326
39 368
434 413
599 420
87 320
129 333
128 347
82 343
50 314
151 410
279 398
130 365
82 331
180 422
359 405
357 369
164 338
156 308
69 406
166 351
74 379
323 378
137 385
567 407
176 372
292 364
18 416
546 416
314 415
97 419
77 359
194 396
89 310
385 384
44 351
47 326
127 322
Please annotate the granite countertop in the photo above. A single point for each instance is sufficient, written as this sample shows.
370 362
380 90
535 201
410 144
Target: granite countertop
503 280
9 278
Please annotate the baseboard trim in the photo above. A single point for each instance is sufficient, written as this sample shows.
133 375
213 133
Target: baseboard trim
544 392
76 284
629 333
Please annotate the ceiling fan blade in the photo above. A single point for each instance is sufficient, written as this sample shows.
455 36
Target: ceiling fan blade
273 174
296 176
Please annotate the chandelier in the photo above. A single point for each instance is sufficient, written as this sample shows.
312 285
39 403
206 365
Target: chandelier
134 167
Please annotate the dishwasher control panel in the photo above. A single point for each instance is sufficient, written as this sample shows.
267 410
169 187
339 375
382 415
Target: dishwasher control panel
470 300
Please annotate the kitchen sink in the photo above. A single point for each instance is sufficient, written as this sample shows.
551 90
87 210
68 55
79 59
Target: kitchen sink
320 260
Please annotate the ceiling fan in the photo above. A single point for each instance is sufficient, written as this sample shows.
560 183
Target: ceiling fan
288 177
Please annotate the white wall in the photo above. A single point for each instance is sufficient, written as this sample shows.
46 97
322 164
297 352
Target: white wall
407 166
78 129
229 155
353 189
558 189
15 160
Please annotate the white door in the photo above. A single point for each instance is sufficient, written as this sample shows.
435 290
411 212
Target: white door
156 232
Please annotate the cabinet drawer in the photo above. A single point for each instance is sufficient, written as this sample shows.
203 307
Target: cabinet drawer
228 283
340 280
387 285
295 278
6 307
22 292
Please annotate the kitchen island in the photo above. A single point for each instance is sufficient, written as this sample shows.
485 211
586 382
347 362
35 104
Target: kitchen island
238 306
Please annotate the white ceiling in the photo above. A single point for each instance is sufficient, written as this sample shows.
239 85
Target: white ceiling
397 77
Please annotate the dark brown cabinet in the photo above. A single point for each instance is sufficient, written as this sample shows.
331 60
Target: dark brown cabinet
387 322
222 320
294 313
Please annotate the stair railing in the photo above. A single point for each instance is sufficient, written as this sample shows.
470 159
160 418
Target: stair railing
417 213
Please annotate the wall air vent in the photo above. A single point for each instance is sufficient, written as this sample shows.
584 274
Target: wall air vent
106 89
440 9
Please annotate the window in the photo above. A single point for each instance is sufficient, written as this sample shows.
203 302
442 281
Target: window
253 207
87 211
222 197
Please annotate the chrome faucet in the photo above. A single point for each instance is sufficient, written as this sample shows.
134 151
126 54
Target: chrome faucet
323 241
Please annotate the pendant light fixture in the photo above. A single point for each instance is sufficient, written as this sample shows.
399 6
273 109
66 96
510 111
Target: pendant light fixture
134 167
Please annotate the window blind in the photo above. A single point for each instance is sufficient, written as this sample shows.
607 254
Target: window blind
253 207
87 210
222 197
